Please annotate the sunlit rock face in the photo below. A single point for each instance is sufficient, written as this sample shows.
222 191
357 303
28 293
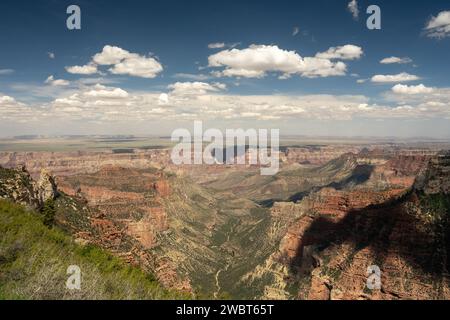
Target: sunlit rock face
18 185
401 225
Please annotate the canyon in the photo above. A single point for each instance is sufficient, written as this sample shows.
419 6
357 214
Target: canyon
308 232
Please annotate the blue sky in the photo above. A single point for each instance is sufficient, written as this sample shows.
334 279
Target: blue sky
176 34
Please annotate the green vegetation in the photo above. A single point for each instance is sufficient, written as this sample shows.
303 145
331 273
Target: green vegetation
367 291
438 208
34 261
437 204
48 212
333 273
6 174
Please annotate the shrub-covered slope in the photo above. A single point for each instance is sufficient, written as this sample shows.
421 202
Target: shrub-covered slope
34 261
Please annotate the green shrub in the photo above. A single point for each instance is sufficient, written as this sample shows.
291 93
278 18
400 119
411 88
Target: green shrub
48 212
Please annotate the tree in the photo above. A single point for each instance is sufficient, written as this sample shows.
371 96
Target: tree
48 212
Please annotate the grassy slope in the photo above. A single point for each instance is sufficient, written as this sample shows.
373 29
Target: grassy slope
34 260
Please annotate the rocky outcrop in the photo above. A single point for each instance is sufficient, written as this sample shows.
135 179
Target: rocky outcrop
318 155
373 217
124 212
46 186
435 179
18 186
395 229
70 163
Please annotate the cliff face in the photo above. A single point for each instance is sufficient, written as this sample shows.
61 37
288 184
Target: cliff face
317 155
395 237
123 211
388 221
190 238
117 209
18 186
70 163
309 232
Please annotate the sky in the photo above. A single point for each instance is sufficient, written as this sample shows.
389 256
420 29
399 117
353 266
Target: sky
149 67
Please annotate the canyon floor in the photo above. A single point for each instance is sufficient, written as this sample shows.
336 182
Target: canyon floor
311 231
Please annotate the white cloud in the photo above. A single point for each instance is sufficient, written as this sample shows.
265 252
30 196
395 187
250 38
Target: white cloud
439 26
6 99
13 111
195 88
56 82
51 55
421 101
295 31
353 8
216 45
258 60
123 62
347 52
392 60
198 77
222 45
100 91
316 67
361 80
97 80
110 55
187 101
138 66
86 69
401 77
405 89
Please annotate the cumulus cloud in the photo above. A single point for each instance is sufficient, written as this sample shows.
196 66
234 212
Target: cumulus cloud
100 91
405 89
424 102
138 66
195 88
123 62
6 100
391 60
110 55
258 60
12 110
401 77
191 100
353 8
439 26
56 82
95 103
86 69
347 52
